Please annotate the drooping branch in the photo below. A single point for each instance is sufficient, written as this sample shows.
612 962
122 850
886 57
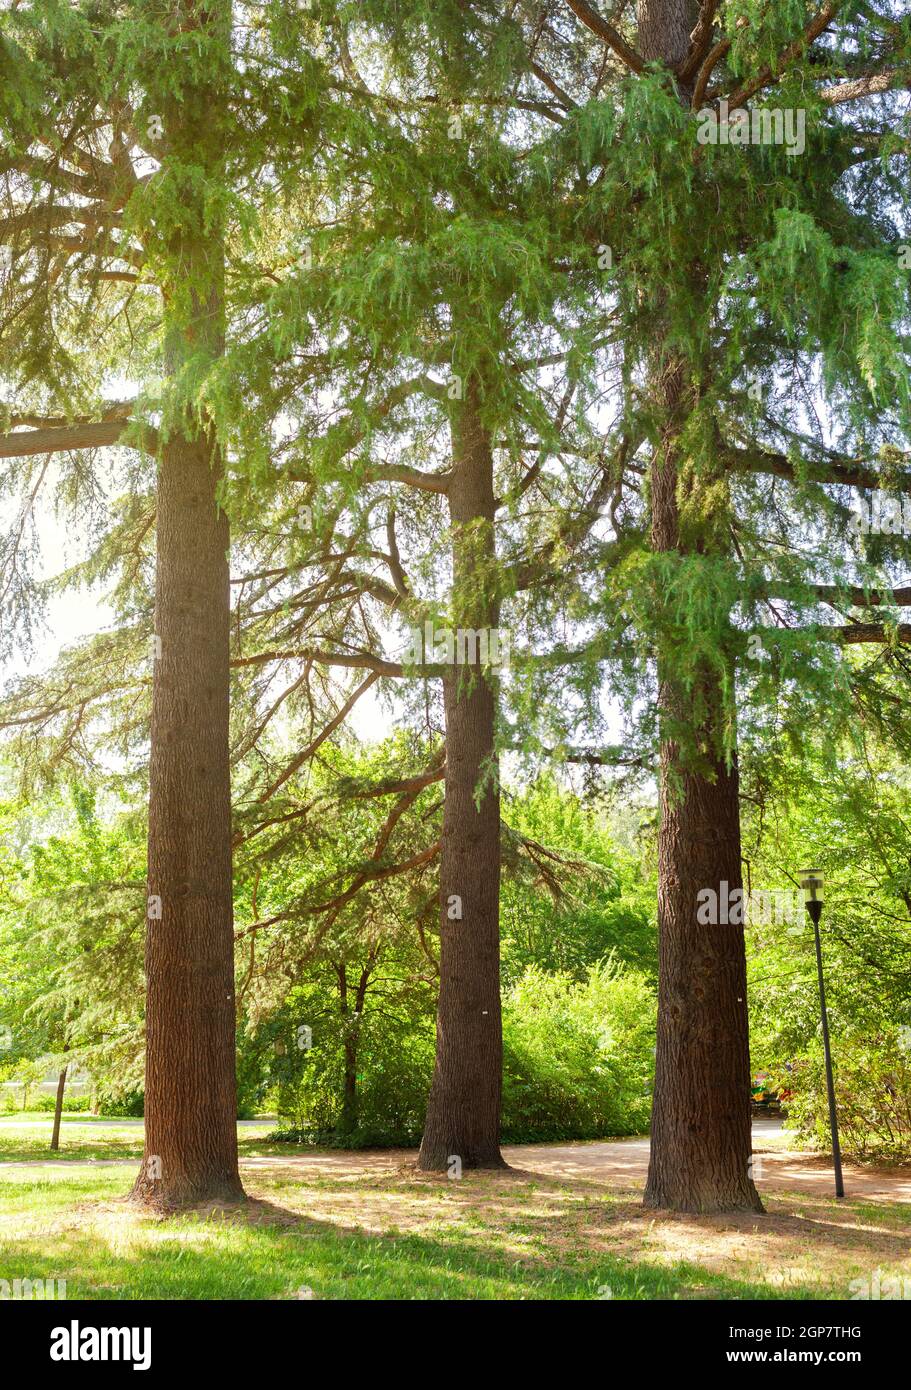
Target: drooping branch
351 432
377 874
375 871
321 737
770 74
436 773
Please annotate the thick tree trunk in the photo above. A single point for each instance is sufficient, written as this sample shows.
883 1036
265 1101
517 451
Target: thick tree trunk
190 1098
700 1146
347 1122
58 1110
463 1111
663 29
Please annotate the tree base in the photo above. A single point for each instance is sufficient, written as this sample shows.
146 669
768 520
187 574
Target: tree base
440 1160
158 1197
705 1203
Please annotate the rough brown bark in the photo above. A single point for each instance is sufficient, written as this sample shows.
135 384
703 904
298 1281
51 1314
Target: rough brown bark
700 1145
663 29
463 1110
700 1136
190 1098
58 1110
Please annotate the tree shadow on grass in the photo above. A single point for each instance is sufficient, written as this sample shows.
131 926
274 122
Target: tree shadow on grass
812 1246
227 1258
499 1235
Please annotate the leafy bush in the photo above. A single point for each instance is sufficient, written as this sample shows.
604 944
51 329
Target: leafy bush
578 1064
350 1139
126 1105
71 1104
394 1067
873 1097
578 1055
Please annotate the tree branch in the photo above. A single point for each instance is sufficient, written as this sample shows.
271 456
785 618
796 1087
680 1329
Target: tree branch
320 738
598 25
861 87
771 74
358 661
87 434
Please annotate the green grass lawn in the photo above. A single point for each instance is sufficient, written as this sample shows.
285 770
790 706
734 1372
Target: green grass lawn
76 1228
96 1137
381 1231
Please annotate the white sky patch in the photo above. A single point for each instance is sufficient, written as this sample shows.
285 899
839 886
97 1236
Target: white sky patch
70 616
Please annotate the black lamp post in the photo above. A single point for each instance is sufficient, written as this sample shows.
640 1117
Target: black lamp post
812 885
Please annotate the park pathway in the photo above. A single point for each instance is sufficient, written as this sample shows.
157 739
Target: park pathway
619 1163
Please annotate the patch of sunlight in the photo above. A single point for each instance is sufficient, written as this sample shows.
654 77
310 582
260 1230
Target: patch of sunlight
790 1275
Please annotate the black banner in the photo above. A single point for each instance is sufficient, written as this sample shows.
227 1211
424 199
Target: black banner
96 1339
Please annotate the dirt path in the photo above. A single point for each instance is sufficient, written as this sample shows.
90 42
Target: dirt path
620 1163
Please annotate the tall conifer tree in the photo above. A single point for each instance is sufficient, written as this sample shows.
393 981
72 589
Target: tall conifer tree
139 140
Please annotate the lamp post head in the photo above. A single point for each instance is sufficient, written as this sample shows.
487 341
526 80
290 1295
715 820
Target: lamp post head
811 881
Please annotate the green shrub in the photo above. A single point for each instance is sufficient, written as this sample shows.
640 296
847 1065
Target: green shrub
123 1105
395 1064
872 1093
578 1064
578 1055
71 1104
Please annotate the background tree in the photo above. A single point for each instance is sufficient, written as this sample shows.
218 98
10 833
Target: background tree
732 374
70 942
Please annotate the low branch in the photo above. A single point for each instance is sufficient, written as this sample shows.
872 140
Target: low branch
375 875
599 25
860 87
86 434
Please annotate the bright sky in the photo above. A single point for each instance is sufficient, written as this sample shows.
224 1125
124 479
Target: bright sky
77 614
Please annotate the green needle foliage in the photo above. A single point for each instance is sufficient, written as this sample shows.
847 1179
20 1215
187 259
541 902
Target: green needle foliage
688 360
